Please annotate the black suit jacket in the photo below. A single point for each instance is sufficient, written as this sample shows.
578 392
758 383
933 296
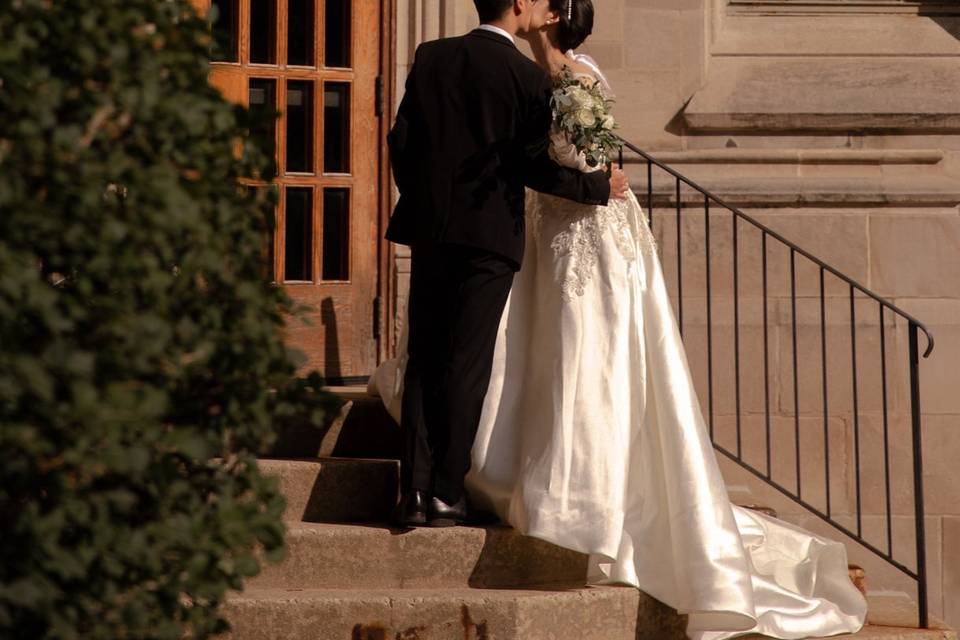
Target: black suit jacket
470 134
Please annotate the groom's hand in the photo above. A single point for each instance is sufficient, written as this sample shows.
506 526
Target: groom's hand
619 186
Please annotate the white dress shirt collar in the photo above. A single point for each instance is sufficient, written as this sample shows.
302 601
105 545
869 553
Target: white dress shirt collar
493 29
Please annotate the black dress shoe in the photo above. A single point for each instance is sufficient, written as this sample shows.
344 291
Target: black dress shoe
441 514
412 510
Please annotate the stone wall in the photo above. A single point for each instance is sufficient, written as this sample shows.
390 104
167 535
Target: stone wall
842 131
838 126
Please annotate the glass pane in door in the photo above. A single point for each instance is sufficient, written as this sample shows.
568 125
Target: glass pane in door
263 99
298 236
337 32
336 234
263 31
336 127
226 31
299 126
300 32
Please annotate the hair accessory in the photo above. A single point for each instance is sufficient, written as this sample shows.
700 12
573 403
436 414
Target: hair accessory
569 10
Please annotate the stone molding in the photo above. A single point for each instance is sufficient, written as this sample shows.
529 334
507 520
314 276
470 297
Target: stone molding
802 156
840 35
747 193
839 7
835 93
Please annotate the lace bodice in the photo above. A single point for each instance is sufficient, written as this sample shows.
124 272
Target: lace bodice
576 234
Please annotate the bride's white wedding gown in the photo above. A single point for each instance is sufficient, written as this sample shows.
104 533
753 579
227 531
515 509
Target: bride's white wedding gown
592 438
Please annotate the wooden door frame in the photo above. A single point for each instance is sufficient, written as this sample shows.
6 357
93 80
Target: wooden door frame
385 289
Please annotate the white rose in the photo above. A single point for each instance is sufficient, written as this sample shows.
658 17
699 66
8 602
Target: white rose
586 118
563 99
580 97
608 122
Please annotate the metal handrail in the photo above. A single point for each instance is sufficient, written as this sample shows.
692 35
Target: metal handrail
920 574
767 230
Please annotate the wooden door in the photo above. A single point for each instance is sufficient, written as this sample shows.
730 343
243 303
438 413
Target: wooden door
318 62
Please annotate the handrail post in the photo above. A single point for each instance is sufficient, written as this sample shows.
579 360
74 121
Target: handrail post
650 194
679 263
918 479
706 222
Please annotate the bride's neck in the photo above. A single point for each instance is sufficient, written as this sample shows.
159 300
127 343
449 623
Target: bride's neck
547 54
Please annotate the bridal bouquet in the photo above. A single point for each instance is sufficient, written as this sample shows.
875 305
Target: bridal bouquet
582 113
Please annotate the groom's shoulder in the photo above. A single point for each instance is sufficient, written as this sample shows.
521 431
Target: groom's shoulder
526 69
529 66
427 48
442 45
535 79
487 48
435 50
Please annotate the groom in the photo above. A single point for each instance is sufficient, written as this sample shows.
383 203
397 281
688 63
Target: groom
470 134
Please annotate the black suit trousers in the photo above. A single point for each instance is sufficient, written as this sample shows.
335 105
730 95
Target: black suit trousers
457 297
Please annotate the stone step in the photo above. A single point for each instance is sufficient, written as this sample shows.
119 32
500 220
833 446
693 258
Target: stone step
899 610
336 489
322 493
379 436
586 613
601 612
354 392
377 557
362 429
357 490
872 632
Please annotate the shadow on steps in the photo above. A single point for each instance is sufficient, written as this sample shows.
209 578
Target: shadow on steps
362 429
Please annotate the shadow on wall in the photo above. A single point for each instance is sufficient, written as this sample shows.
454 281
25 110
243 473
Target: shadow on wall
332 369
677 125
949 22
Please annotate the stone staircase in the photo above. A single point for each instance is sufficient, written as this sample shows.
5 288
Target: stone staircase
347 575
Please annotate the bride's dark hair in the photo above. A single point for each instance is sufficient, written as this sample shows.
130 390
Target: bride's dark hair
573 31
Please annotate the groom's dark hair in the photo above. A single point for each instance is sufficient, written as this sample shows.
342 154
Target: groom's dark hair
490 10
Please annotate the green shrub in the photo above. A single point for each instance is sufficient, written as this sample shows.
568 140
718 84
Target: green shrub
140 362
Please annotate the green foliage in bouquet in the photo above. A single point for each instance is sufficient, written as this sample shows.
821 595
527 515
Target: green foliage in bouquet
583 113
141 367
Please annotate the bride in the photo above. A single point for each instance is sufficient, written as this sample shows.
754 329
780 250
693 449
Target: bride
592 437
